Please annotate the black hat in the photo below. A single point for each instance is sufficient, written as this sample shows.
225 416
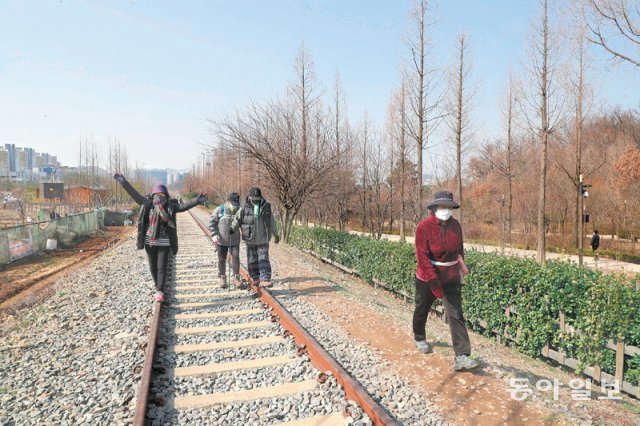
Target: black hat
255 192
234 197
443 198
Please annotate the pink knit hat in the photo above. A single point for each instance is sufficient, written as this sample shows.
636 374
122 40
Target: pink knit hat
159 188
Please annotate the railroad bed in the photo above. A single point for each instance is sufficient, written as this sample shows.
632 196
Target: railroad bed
222 356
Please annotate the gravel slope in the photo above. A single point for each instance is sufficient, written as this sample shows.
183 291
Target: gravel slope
76 358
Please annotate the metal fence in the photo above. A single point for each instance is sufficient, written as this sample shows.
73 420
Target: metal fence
21 241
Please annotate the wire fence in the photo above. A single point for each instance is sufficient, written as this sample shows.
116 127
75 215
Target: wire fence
22 241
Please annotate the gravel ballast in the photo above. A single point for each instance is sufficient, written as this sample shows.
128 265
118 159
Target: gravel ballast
76 358
167 386
401 399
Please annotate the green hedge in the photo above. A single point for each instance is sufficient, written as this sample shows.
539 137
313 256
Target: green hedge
620 256
601 306
390 262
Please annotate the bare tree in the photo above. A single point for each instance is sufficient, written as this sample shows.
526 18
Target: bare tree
343 180
288 140
615 26
364 137
459 108
509 119
580 94
544 105
403 154
423 99
118 163
502 156
379 196
399 173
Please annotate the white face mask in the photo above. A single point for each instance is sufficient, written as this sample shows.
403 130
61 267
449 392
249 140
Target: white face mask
443 214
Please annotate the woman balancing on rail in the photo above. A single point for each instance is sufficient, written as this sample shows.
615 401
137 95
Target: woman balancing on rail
157 231
439 251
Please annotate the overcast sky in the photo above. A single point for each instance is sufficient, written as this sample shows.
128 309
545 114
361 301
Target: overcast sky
150 73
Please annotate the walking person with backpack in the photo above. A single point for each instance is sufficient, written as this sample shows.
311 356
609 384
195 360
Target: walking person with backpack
157 231
257 225
226 238
440 256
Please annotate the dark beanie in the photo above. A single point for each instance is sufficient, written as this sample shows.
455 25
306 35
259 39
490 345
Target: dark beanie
255 192
234 197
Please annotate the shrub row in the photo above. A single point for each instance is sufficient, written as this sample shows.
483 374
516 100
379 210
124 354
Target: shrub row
602 306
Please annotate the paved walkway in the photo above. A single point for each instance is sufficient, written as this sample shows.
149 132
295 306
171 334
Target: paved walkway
608 265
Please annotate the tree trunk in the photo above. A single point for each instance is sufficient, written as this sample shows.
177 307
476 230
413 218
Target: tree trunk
542 197
576 218
421 107
509 162
403 162
578 148
544 134
458 125
286 222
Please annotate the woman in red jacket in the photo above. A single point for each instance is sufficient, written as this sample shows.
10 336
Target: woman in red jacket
439 251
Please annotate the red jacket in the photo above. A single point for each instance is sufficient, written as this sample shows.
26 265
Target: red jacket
441 242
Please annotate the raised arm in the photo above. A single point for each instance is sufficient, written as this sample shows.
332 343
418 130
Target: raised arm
129 188
201 199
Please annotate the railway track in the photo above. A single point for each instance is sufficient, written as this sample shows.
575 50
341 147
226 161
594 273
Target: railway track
231 356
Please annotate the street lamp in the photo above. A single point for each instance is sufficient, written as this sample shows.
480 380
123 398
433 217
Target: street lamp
584 218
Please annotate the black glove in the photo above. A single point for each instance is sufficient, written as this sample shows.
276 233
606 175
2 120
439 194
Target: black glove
119 177
276 239
202 198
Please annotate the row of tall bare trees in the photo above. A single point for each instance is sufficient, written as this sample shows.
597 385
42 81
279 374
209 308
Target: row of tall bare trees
96 165
320 167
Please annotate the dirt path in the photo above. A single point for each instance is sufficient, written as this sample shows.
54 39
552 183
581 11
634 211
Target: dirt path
382 322
24 282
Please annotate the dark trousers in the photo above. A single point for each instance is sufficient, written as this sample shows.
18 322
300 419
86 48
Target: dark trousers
223 251
158 263
452 303
258 262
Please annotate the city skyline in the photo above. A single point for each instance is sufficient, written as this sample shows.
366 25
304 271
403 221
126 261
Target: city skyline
21 162
27 164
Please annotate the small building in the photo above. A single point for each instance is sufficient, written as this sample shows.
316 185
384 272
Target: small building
85 195
51 191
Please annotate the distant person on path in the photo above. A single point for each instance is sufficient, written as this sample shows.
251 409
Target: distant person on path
221 224
440 256
157 231
595 243
258 225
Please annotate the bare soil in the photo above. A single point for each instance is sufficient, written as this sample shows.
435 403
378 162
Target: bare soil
25 281
383 322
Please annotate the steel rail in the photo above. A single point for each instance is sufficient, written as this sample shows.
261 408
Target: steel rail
139 418
317 354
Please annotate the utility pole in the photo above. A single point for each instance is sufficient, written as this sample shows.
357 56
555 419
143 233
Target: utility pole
502 225
582 190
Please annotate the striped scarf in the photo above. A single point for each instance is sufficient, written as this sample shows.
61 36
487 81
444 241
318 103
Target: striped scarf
158 214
